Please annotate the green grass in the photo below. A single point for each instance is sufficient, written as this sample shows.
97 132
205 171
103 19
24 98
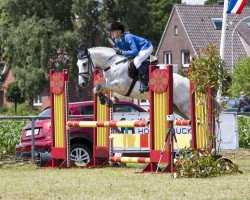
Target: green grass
28 182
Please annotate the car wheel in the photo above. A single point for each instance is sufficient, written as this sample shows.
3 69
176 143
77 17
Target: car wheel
80 154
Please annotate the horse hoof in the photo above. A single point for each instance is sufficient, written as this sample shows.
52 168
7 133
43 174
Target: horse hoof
103 102
109 103
115 99
141 91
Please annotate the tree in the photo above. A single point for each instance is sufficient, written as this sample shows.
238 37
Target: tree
148 23
207 69
89 21
241 78
36 36
14 94
211 2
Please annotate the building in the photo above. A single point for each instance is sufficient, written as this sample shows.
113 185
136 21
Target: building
193 27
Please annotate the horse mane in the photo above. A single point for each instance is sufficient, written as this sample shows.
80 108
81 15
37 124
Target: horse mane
101 48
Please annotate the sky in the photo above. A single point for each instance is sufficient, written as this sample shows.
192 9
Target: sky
194 2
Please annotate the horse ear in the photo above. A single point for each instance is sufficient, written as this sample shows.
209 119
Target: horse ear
81 47
86 49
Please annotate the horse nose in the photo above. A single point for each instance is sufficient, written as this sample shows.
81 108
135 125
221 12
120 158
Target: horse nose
83 80
83 84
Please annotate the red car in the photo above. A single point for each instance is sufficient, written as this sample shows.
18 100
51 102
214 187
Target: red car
81 138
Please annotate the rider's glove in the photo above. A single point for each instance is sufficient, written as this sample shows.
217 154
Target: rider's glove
118 51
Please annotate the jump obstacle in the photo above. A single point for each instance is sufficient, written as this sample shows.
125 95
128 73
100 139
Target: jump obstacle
161 105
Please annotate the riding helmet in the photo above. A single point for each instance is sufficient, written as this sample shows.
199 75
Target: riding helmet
117 26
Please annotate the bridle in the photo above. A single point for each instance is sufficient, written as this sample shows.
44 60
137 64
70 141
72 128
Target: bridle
82 55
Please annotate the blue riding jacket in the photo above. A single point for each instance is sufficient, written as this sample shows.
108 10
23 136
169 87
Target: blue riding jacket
132 44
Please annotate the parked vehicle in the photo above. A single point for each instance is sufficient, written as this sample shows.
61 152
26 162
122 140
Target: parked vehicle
232 105
80 138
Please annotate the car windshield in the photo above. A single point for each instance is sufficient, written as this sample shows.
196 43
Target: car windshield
45 113
88 110
125 108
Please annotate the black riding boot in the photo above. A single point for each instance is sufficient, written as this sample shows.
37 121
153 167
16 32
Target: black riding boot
143 76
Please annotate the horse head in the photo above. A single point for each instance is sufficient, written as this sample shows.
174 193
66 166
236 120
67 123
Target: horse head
85 66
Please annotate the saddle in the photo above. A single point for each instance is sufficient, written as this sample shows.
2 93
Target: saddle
132 71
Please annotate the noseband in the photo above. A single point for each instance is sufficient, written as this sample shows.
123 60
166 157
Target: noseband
83 55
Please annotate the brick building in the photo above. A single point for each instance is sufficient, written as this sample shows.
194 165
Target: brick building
193 27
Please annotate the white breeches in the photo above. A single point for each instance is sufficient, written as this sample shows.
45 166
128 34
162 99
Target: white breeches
142 56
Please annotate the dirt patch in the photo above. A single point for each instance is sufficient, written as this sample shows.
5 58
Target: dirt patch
12 161
240 154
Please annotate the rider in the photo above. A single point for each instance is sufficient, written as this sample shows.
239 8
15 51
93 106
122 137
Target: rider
244 103
131 45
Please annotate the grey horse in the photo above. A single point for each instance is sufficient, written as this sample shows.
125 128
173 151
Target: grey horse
115 71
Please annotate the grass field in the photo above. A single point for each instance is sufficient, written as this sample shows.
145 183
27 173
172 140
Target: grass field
28 182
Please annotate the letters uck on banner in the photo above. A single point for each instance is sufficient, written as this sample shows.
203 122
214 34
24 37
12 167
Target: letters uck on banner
143 130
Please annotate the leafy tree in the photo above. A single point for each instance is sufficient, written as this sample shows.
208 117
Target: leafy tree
38 35
89 21
241 78
148 23
207 69
211 2
14 94
35 36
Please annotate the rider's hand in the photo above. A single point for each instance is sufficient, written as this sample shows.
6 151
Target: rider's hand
118 51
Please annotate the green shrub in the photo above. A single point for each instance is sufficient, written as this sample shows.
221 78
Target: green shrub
10 132
244 131
22 110
240 78
14 94
195 164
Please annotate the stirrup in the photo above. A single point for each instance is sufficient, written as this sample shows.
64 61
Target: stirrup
143 88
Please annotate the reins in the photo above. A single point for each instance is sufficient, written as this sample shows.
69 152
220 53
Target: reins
83 55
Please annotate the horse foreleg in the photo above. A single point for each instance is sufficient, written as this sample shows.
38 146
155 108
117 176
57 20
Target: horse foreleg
107 87
102 98
105 100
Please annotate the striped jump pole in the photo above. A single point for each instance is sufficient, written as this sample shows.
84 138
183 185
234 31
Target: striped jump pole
120 124
182 123
202 120
101 134
59 116
130 159
161 105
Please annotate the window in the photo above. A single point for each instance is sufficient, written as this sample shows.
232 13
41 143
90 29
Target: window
167 58
217 22
37 101
124 108
175 30
144 102
185 58
86 110
46 112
